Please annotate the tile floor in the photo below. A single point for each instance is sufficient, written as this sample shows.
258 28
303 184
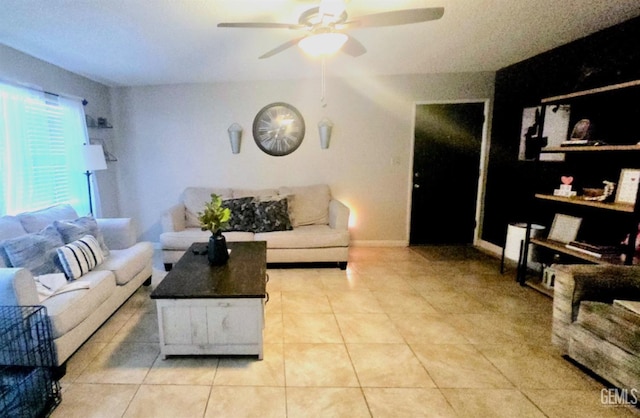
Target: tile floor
404 332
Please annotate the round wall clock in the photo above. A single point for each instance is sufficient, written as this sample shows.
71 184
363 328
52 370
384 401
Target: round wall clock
278 129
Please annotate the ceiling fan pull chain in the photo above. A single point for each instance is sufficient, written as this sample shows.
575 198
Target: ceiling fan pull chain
323 100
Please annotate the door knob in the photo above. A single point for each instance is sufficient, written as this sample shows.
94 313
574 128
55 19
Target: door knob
416 186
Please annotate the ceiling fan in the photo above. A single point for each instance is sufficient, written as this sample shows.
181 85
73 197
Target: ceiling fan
325 23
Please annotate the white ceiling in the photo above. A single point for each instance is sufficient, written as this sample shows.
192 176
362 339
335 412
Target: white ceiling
143 42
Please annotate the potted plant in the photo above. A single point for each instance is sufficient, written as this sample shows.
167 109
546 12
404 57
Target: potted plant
212 219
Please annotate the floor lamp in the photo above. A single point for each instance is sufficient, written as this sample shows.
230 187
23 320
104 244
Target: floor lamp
93 160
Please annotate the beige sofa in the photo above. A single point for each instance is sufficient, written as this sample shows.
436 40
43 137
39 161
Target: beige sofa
77 314
318 231
593 323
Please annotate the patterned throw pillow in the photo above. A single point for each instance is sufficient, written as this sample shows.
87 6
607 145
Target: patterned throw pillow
35 251
242 214
78 228
271 215
80 257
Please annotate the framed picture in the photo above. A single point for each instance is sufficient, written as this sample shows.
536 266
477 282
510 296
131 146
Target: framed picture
628 186
529 133
556 130
564 228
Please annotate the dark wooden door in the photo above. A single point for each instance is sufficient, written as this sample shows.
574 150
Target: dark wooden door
446 169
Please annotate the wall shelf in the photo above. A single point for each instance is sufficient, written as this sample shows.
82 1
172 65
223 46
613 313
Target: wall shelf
589 92
618 207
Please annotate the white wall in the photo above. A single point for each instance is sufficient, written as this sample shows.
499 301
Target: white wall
173 136
21 68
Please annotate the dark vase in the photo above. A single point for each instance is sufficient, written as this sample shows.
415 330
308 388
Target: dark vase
217 251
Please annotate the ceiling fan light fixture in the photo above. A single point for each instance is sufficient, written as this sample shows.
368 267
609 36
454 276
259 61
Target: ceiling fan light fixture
323 43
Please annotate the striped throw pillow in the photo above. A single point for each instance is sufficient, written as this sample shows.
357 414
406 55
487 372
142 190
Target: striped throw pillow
81 256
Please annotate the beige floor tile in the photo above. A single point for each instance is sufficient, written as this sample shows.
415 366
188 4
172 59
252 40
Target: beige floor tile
310 328
168 401
368 328
142 327
454 302
407 403
388 365
357 301
507 403
246 401
249 371
182 370
532 367
305 302
120 363
583 403
402 301
323 365
81 359
94 400
459 366
109 329
389 282
344 281
425 328
273 332
274 302
481 328
326 402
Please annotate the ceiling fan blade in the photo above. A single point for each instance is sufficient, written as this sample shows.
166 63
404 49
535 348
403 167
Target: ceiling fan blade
353 47
398 17
280 48
261 25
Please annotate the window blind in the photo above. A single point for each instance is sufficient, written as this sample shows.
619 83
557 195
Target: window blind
40 142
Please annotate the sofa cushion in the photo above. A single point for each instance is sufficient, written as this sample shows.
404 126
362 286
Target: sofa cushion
10 227
310 236
242 214
271 215
309 205
80 257
36 251
75 229
183 239
67 310
612 323
258 193
37 220
126 264
194 199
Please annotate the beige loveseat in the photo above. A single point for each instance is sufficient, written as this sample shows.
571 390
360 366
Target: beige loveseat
318 230
77 314
594 322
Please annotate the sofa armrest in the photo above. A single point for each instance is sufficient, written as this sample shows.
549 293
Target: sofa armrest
17 287
173 219
119 233
338 215
577 283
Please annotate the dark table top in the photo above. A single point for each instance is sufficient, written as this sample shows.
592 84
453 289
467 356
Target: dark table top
243 276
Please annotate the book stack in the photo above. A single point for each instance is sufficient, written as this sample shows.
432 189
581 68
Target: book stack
598 251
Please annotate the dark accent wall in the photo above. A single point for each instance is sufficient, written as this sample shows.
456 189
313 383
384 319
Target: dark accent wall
607 57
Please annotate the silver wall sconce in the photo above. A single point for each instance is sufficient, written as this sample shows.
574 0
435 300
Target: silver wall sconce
235 137
324 129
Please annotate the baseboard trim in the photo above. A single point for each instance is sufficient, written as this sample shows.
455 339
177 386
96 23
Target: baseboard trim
379 243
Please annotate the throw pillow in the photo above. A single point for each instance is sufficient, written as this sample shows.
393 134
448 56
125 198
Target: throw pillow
35 251
271 215
195 198
309 205
78 228
35 221
80 257
242 214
